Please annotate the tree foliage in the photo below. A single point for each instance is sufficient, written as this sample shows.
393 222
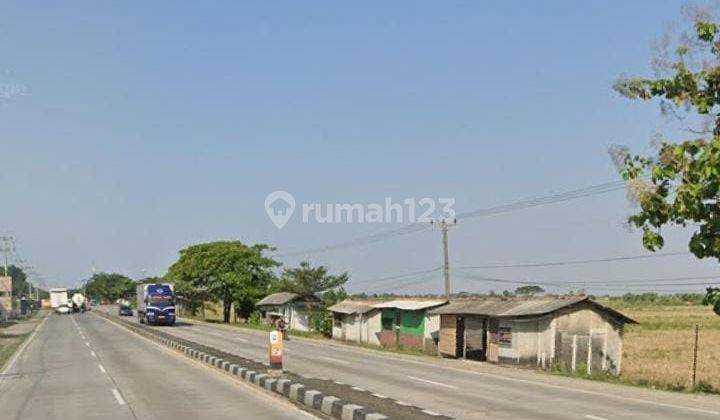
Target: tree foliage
681 184
529 290
229 271
311 282
110 287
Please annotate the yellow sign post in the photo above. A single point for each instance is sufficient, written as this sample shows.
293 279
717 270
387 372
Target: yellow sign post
276 351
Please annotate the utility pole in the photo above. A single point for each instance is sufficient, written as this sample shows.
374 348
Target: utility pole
444 225
6 249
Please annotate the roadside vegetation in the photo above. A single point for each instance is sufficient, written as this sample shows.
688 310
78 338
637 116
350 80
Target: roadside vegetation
658 352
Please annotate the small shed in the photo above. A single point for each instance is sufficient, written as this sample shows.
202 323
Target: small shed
568 333
400 322
356 321
291 306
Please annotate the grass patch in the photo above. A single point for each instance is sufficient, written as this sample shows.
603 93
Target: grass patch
8 346
658 353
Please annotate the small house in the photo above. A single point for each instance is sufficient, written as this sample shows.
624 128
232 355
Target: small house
567 333
291 306
401 322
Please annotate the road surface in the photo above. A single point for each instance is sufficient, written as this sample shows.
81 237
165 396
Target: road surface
84 367
461 389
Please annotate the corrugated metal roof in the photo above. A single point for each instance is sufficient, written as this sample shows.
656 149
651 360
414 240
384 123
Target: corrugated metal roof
278 299
409 305
351 307
517 307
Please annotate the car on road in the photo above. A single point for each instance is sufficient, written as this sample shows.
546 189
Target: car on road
63 309
125 311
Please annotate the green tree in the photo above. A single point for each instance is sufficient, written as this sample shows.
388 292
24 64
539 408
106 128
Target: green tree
681 184
529 290
683 178
311 282
229 271
110 287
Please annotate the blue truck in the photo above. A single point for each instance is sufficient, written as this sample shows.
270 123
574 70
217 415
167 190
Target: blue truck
156 304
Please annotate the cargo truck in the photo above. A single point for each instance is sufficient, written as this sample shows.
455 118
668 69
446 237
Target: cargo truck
156 304
58 297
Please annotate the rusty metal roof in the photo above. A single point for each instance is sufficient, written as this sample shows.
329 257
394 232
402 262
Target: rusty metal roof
351 307
278 299
410 304
508 308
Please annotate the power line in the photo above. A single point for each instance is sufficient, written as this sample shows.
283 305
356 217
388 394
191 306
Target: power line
573 262
396 277
603 283
417 227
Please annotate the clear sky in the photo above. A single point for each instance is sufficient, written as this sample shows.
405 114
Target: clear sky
138 128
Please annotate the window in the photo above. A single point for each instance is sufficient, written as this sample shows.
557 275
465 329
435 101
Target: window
337 321
505 337
388 319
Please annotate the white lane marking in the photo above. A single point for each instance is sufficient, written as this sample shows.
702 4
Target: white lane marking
330 359
92 353
432 382
102 369
118 397
590 416
87 344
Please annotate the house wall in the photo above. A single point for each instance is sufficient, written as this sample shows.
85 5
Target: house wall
337 330
431 334
357 328
373 326
298 317
588 340
577 338
448 335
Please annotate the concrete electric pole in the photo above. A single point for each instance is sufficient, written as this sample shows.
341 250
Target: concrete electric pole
444 225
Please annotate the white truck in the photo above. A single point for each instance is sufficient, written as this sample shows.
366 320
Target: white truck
78 302
58 297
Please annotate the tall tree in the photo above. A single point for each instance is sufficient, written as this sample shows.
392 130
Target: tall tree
311 282
680 185
226 270
110 287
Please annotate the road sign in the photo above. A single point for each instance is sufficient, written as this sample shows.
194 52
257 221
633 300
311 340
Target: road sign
276 349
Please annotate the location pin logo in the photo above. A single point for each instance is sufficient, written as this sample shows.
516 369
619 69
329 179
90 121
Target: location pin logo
279 205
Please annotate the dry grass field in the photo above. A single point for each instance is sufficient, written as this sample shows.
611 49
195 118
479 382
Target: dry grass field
659 351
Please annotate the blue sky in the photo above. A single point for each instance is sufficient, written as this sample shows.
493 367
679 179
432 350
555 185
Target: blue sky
148 126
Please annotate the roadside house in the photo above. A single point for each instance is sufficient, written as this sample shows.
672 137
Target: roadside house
400 322
291 306
567 333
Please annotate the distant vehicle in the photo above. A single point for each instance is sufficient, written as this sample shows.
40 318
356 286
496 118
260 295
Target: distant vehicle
156 304
63 309
125 310
79 303
58 297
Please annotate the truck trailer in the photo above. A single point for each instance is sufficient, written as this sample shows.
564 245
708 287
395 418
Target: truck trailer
58 297
156 304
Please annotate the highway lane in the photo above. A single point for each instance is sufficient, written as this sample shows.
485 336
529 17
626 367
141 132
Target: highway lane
458 388
84 367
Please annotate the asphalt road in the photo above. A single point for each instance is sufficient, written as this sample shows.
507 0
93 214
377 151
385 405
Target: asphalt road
84 367
460 389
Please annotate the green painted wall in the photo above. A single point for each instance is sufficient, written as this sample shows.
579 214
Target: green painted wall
412 322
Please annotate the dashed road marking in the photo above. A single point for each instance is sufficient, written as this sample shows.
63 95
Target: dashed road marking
427 381
102 369
92 353
591 417
118 397
333 360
